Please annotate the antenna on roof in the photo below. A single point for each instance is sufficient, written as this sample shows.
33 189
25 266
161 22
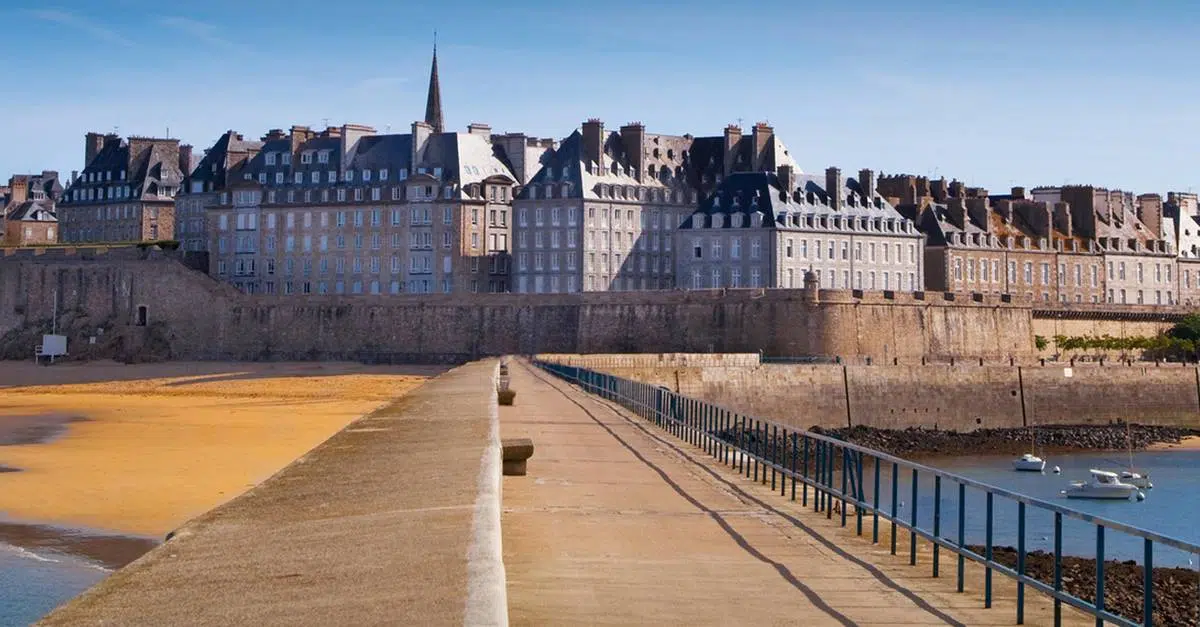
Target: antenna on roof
326 121
168 132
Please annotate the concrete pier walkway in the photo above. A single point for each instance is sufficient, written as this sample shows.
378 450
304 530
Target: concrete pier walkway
393 521
618 523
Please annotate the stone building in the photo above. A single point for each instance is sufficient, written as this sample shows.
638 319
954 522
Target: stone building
347 210
1181 225
1008 244
28 209
1140 266
126 191
602 211
767 229
203 185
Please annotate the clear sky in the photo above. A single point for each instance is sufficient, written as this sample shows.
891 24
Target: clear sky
999 93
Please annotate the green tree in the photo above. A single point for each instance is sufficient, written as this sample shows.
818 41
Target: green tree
1040 342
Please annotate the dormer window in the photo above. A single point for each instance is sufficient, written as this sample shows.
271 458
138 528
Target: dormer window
270 158
323 156
403 173
366 176
306 157
549 191
437 173
287 158
383 174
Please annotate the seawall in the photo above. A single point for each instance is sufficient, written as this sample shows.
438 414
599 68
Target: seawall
962 397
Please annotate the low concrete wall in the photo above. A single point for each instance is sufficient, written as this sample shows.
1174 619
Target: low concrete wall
393 520
961 397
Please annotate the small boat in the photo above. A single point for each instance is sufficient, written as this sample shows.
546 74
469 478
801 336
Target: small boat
1104 485
1029 463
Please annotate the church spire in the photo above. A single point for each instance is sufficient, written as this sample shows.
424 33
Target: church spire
433 105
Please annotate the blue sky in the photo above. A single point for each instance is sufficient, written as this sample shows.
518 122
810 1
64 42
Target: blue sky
1000 94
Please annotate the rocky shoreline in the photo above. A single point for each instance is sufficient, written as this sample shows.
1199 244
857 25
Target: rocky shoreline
917 441
1175 601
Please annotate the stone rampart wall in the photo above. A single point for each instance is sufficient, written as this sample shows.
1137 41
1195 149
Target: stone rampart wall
960 398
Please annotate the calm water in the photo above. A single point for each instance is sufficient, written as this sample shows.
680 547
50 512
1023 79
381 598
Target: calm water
1171 508
33 583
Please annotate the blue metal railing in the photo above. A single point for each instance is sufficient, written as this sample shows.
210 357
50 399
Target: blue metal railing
753 446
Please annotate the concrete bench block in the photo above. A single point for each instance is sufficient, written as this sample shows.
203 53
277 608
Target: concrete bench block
514 452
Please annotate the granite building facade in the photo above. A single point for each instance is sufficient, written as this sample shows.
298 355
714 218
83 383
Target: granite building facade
28 213
768 229
126 190
204 184
347 210
603 211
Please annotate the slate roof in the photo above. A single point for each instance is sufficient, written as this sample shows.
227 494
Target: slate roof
750 192
225 155
677 162
33 211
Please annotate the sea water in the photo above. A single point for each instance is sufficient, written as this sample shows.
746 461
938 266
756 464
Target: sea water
34 582
1171 508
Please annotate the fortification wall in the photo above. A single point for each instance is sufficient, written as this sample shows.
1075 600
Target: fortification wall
192 316
959 398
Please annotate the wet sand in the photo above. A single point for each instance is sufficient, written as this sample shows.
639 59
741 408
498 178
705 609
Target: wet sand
109 551
1190 443
159 444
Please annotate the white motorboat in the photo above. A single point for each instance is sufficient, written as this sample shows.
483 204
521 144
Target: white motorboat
1104 485
1029 463
1136 479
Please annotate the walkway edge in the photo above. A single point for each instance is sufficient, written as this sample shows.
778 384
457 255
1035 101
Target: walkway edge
487 588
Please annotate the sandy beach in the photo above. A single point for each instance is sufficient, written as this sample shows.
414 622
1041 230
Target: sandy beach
140 449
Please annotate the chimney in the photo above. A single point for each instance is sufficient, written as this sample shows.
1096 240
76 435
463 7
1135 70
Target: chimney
421 133
1005 209
1062 218
633 139
18 189
956 211
938 190
593 142
185 159
833 187
733 141
74 175
1150 212
977 211
476 128
1038 215
350 135
1018 193
93 143
299 134
957 188
763 134
787 180
866 180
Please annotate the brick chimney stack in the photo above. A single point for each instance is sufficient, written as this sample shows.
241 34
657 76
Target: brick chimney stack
593 142
866 180
833 187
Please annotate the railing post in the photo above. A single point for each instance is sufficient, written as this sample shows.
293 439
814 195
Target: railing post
772 452
860 496
875 507
895 501
1020 562
845 478
829 471
987 573
962 531
912 533
782 463
1099 573
804 472
794 465
1148 583
1058 518
937 522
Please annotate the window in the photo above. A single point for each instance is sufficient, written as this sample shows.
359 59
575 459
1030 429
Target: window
755 248
447 215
